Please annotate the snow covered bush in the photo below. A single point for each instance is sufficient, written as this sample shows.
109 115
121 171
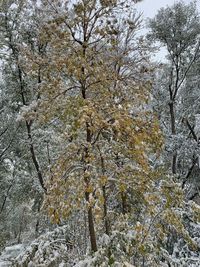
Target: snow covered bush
49 250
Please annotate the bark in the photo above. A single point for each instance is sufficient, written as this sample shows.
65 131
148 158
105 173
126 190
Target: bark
5 197
106 221
174 160
89 141
124 203
105 210
122 194
35 161
91 225
87 197
172 117
173 131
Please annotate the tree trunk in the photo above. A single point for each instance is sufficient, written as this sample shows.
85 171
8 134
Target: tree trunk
173 131
124 203
89 140
91 225
106 221
174 160
105 209
33 156
28 127
172 115
87 195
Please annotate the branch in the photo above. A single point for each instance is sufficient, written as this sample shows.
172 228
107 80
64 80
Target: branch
35 161
187 70
191 129
4 131
5 198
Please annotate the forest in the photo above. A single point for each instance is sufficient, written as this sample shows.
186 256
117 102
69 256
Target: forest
99 138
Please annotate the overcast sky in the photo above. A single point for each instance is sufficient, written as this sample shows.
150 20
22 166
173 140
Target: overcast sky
150 7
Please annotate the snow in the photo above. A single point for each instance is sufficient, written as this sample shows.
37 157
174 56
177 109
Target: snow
27 110
50 249
13 6
105 239
9 254
197 124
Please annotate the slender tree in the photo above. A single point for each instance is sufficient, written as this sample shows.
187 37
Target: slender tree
177 28
96 86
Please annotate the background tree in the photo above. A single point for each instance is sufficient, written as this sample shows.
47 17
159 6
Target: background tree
174 91
23 142
177 28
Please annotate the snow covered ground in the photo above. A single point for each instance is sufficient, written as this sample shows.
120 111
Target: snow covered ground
9 254
51 249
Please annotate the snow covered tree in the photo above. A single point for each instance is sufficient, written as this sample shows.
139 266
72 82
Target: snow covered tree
84 135
175 93
23 144
177 28
96 82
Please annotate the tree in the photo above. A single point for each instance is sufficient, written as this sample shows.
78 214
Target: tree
23 144
177 28
96 81
175 92
78 121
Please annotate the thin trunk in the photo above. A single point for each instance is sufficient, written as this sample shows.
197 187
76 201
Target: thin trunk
106 221
124 203
105 210
21 83
33 156
5 198
172 117
174 162
122 194
37 227
173 94
91 225
89 141
87 197
28 127
173 131
85 232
